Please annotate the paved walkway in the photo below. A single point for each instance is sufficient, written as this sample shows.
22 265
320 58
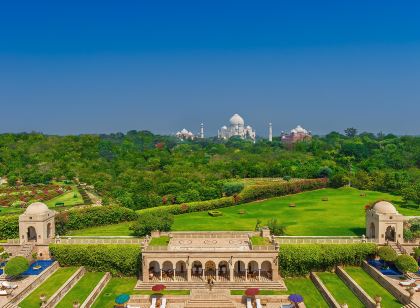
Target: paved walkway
22 284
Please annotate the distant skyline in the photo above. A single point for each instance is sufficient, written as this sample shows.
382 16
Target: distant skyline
107 66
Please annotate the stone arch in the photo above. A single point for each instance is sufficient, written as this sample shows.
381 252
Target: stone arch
154 267
239 266
167 266
32 236
253 266
181 267
197 268
372 233
390 234
49 230
210 269
266 266
223 267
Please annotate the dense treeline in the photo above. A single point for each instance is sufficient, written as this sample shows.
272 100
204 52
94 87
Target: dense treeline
140 170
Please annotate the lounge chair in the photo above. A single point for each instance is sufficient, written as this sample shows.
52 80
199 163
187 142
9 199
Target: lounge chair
163 304
153 305
8 285
248 303
407 283
4 292
258 303
417 288
131 306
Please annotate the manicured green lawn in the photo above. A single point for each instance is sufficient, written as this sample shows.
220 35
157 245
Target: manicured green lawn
115 287
121 229
299 285
372 287
343 214
49 287
67 198
81 290
339 290
159 241
258 240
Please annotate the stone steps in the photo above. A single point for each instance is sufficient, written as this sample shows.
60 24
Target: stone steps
411 305
10 305
209 299
272 285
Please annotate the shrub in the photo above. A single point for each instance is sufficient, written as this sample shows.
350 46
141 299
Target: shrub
406 263
275 189
16 266
301 259
215 213
417 253
117 259
148 222
75 219
231 188
386 253
9 227
275 227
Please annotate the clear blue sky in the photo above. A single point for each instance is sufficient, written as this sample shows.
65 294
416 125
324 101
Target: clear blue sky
69 67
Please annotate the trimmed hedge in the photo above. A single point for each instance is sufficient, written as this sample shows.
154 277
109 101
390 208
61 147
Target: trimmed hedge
248 194
9 227
406 263
300 260
198 206
117 259
75 219
16 266
276 189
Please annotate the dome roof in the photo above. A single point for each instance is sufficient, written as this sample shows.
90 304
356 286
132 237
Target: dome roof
236 119
384 207
37 208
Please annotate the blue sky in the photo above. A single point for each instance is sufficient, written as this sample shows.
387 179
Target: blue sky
69 67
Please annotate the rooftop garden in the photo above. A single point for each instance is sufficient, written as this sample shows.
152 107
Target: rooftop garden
159 241
260 241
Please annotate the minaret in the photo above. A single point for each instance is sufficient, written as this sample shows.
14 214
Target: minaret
270 132
202 131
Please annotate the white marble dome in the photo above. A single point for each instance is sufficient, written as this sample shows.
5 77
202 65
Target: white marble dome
384 207
236 119
37 208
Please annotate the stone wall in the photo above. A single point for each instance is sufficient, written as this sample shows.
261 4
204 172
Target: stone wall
40 279
356 289
402 296
331 301
96 291
58 296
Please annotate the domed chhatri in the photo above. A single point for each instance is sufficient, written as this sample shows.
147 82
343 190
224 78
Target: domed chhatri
37 225
236 128
384 223
384 207
37 208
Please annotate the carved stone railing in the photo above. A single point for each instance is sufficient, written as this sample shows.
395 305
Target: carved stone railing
96 291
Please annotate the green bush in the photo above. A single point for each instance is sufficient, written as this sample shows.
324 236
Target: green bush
215 213
406 263
417 253
276 189
231 188
275 227
198 206
117 259
75 219
300 260
148 222
9 227
16 266
387 253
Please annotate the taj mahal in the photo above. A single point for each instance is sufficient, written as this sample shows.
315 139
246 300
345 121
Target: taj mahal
236 128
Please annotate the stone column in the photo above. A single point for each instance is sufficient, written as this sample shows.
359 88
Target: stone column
259 274
246 274
203 269
231 272
161 270
188 273
217 274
